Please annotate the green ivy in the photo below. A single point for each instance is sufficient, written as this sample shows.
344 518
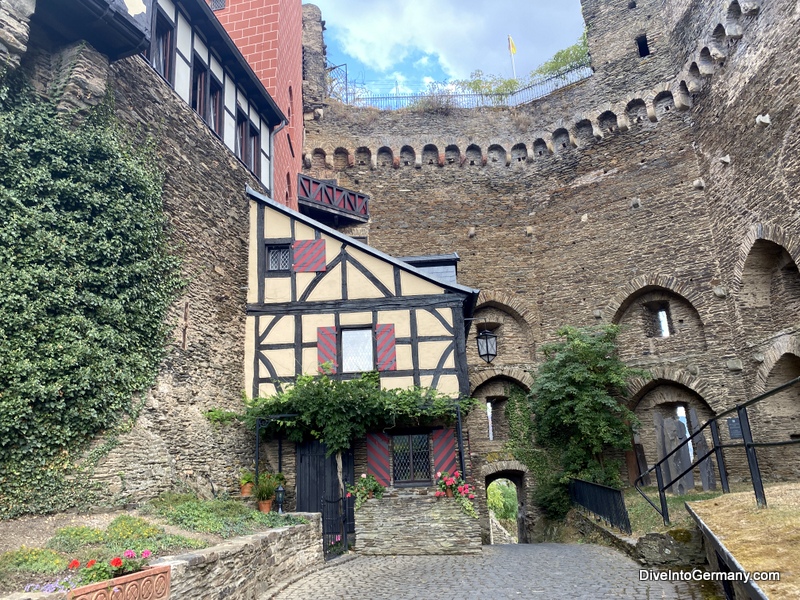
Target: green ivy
85 281
338 412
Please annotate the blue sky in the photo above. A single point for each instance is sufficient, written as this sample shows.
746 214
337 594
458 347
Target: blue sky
401 45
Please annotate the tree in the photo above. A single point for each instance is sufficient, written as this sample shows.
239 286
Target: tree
567 59
576 400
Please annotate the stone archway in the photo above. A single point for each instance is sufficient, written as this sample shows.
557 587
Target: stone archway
518 474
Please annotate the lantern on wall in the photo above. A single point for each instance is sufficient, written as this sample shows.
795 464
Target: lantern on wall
280 494
487 345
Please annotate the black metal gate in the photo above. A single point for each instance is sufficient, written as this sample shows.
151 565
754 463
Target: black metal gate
338 525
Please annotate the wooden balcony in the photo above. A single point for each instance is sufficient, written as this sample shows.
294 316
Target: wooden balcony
325 201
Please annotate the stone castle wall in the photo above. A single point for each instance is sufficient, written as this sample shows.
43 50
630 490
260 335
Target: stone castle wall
648 183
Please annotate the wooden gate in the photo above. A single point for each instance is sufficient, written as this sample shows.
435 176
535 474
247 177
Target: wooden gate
316 475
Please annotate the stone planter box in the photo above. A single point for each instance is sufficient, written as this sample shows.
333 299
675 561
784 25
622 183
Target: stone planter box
413 525
151 583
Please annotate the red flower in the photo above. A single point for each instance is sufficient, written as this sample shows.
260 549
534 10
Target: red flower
472 496
116 562
74 564
348 495
91 563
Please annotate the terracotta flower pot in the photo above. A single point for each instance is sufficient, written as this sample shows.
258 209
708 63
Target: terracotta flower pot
246 490
370 494
449 492
265 505
151 583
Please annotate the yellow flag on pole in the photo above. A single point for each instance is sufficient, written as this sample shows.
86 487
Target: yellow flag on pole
512 49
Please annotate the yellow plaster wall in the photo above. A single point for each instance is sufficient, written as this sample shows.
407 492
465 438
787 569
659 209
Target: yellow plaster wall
390 383
266 390
281 360
416 286
358 286
401 319
310 364
277 225
383 271
282 332
277 289
252 263
312 322
404 360
427 324
304 232
359 318
330 288
431 352
448 384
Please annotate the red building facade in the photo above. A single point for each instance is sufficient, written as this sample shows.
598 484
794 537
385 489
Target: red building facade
269 35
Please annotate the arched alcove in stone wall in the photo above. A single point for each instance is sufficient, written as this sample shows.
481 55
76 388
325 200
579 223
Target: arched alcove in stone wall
608 122
667 399
430 155
514 341
407 156
777 419
636 111
584 132
561 141
496 155
341 159
768 297
363 156
318 159
719 43
519 153
452 155
663 104
733 21
385 156
474 157
540 148
706 62
658 321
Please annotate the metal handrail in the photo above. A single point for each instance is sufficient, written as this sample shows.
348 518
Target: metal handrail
747 442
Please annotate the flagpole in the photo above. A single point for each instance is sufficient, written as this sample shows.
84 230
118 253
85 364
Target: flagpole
512 50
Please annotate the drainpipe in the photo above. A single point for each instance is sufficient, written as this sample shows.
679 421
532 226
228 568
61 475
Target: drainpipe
272 135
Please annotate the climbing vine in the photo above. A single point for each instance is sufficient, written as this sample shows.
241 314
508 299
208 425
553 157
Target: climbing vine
337 412
85 281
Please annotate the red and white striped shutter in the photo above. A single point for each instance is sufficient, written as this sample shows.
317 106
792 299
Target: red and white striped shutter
378 457
387 355
444 451
326 346
308 256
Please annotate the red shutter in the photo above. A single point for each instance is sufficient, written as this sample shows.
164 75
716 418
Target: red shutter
308 256
326 346
444 451
387 356
378 457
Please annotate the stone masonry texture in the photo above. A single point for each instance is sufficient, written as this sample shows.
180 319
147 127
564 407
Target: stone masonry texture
663 180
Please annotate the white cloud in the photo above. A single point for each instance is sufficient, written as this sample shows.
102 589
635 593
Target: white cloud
462 35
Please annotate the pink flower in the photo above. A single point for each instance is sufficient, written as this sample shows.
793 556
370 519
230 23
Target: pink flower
472 496
456 474
146 554
348 495
363 476
129 554
439 474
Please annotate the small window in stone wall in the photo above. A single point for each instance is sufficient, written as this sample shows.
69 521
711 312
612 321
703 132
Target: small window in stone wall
642 46
657 319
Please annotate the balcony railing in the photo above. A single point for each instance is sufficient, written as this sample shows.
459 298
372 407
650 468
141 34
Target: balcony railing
316 196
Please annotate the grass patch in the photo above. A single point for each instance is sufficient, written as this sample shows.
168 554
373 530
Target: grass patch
644 519
227 518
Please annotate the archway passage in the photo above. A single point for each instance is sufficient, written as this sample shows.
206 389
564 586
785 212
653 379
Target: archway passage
503 504
777 419
505 491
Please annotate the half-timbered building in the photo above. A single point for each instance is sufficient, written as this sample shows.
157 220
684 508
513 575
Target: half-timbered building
319 299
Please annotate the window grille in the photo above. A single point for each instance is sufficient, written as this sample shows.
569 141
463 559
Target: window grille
412 458
217 4
278 258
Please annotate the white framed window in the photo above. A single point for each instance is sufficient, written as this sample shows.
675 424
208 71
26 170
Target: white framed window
357 350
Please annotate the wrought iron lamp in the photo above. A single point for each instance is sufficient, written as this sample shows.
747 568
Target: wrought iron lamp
487 345
280 493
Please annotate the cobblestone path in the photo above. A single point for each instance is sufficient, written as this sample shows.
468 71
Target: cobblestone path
539 571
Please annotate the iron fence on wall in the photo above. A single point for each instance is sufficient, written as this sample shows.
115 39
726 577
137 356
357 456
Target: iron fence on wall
605 502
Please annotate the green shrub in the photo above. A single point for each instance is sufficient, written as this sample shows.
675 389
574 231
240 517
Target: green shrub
33 560
70 539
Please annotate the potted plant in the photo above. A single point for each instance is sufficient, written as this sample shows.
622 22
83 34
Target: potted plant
454 486
265 491
365 488
247 481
